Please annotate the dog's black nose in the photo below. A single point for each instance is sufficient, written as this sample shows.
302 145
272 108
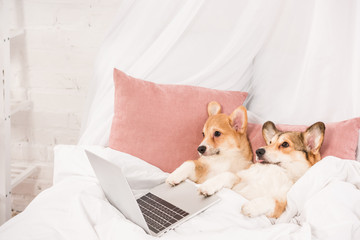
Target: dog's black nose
260 152
201 149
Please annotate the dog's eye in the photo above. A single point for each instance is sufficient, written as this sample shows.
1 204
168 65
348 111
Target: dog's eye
203 134
285 144
217 134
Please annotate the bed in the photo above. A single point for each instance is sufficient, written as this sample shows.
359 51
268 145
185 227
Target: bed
277 55
76 208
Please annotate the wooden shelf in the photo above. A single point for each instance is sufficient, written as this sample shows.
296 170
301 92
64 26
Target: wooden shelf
10 176
16 32
19 106
19 172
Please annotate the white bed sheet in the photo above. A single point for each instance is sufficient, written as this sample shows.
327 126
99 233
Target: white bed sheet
323 204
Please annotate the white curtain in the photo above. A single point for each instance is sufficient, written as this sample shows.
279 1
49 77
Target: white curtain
299 60
309 69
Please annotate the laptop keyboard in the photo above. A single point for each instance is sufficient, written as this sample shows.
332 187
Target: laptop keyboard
158 213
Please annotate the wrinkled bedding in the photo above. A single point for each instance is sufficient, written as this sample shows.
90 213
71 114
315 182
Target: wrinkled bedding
323 204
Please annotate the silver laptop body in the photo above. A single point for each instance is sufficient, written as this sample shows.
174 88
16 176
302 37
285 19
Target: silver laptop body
170 206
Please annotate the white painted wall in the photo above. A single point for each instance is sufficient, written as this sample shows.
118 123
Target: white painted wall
52 66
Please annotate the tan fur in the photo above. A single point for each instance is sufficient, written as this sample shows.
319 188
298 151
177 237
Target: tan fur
279 209
229 152
297 142
201 171
233 140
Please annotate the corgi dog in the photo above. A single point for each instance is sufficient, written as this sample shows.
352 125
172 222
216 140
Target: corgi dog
279 164
224 151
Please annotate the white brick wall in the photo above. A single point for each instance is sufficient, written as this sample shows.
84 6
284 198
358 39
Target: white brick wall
52 65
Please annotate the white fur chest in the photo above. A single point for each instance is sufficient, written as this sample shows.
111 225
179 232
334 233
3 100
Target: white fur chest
231 162
263 181
216 165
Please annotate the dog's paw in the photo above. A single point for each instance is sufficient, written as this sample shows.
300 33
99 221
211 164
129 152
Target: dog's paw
258 206
250 209
206 190
209 187
175 178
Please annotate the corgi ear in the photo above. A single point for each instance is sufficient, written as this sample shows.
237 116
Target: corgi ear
314 137
268 131
239 119
214 108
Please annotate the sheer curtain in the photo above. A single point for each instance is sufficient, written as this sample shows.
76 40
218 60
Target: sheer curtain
309 69
299 60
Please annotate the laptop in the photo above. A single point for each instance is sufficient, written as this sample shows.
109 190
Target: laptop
161 209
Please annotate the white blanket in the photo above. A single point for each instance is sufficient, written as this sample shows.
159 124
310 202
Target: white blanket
323 204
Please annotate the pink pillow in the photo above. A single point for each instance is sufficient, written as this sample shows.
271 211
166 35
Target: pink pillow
162 124
340 140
